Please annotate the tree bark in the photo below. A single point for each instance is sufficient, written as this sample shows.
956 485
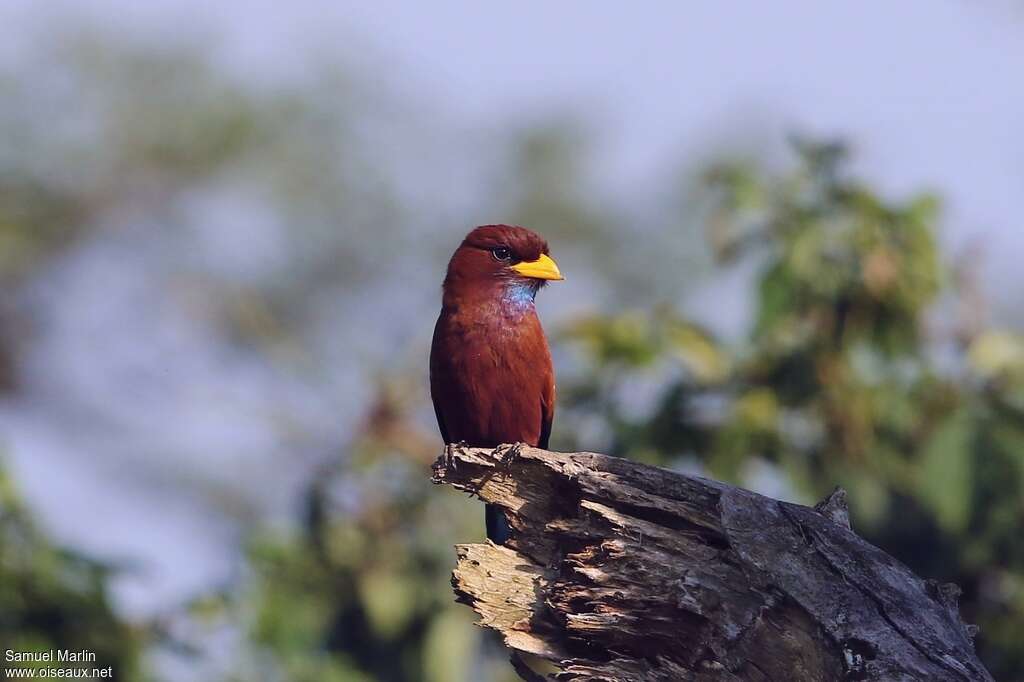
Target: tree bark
621 571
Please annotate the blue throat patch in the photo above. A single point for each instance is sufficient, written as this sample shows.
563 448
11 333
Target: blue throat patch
520 295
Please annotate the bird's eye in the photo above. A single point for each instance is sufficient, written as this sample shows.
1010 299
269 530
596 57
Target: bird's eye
502 253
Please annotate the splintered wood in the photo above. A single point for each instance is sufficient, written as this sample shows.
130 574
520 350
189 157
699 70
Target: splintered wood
621 571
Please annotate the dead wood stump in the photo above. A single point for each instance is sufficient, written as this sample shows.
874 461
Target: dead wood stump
621 571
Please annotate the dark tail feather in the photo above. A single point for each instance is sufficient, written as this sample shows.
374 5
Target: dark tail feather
498 530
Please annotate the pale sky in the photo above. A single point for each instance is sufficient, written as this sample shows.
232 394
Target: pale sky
931 91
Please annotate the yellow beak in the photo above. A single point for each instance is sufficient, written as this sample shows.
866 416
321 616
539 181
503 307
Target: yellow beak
542 268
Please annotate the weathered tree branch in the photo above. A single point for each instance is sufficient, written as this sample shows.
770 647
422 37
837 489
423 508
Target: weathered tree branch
620 571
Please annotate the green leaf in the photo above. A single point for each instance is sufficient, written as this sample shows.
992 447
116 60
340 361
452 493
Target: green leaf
993 353
945 476
389 598
776 298
449 646
699 353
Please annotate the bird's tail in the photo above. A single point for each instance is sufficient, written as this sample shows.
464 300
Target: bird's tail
498 530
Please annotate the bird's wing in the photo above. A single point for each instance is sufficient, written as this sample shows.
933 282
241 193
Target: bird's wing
547 413
440 423
435 396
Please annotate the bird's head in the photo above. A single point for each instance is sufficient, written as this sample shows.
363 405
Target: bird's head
503 261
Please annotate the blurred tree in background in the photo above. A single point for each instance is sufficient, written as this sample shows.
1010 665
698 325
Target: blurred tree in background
858 369
851 376
363 591
53 598
115 138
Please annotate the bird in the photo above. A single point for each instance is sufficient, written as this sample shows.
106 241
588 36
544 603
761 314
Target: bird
491 376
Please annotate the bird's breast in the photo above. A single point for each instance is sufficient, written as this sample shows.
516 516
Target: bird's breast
489 378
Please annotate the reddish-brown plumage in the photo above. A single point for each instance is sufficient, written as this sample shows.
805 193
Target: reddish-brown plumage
491 377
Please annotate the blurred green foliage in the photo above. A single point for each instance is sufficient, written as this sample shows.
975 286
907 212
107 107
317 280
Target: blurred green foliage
366 582
846 378
849 376
52 598
855 371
